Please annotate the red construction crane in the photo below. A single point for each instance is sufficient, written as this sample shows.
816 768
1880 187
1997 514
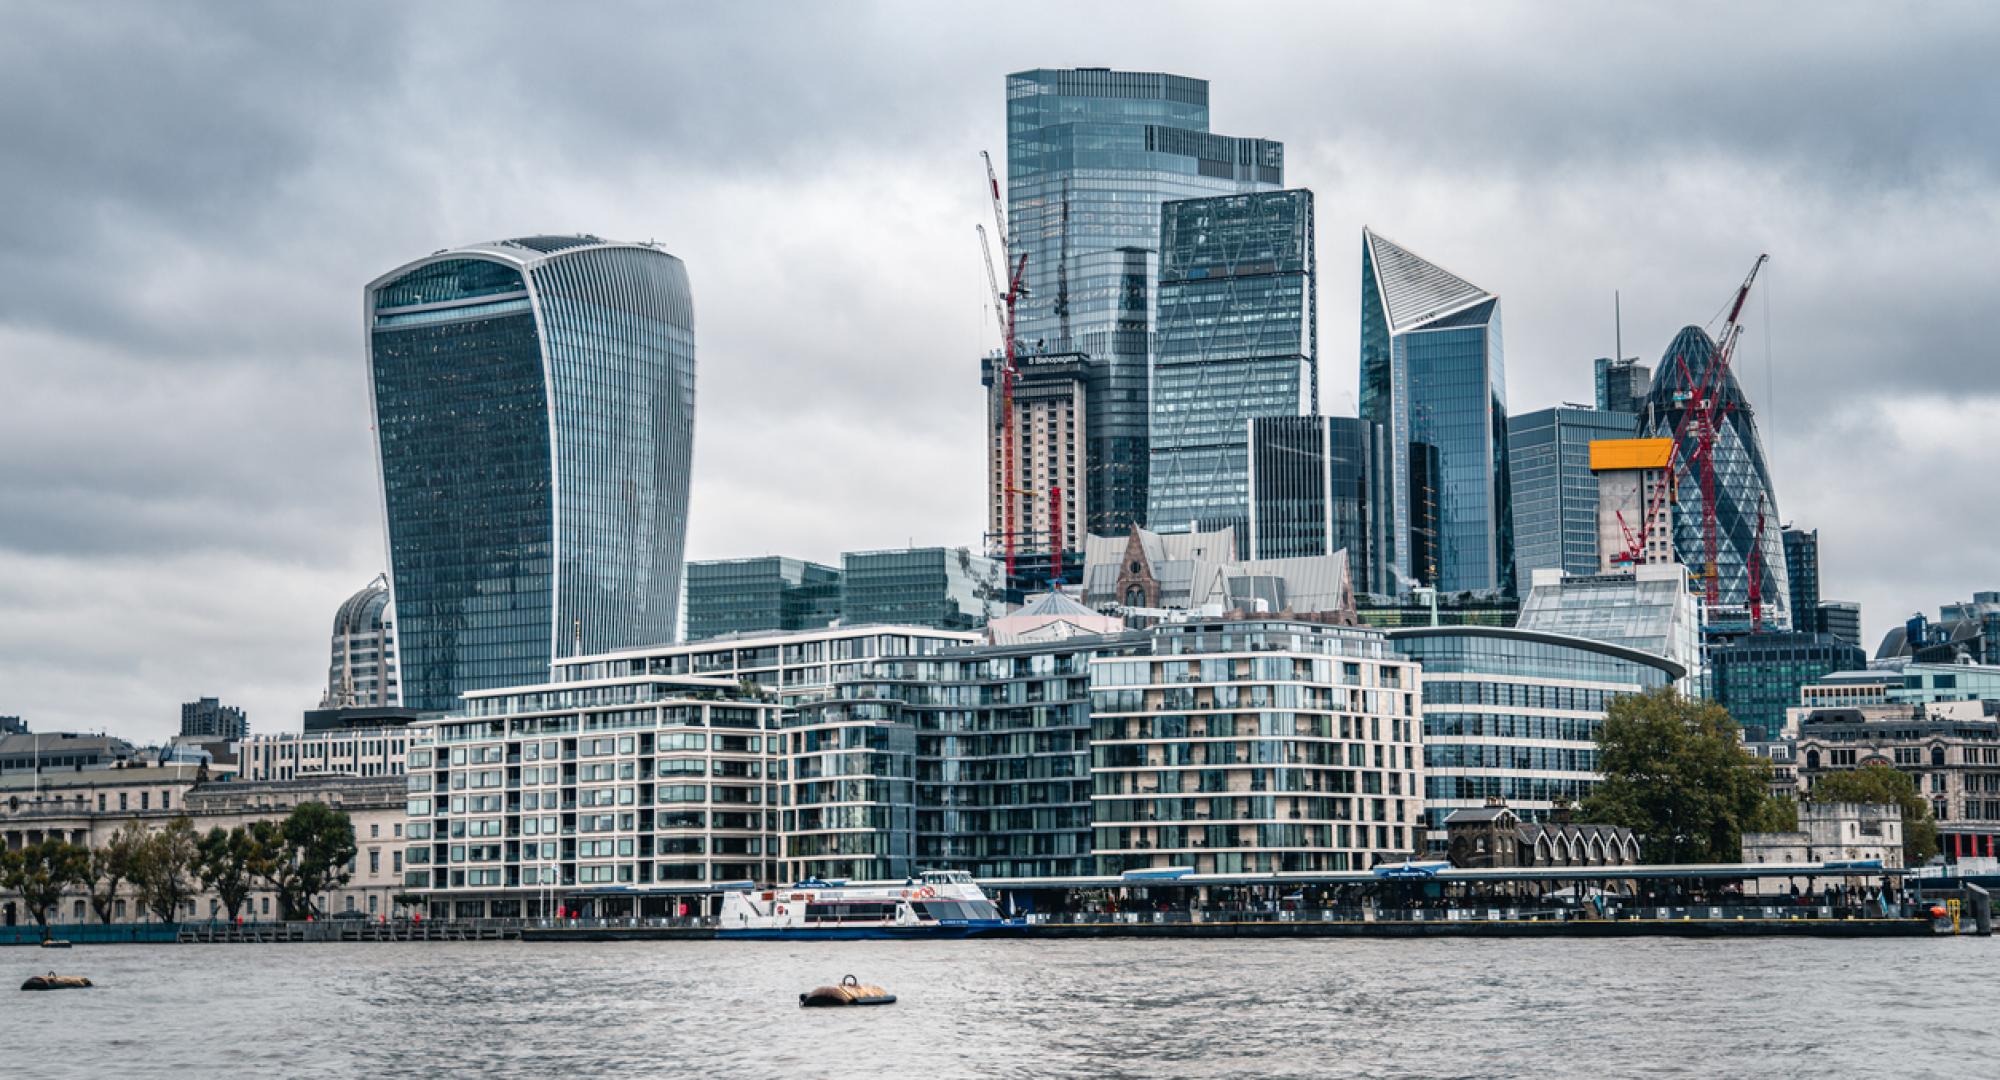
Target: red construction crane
1756 568
1703 415
1003 309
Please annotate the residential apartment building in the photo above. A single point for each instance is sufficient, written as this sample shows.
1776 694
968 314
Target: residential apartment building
1255 746
623 795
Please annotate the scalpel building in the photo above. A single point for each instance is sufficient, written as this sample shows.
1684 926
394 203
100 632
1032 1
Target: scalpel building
1432 374
534 414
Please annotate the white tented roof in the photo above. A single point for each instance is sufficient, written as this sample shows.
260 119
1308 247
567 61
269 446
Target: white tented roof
1414 289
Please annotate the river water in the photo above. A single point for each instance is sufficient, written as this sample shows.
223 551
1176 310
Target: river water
1112 1008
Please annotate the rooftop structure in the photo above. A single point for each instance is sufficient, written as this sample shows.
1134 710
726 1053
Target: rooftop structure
60 751
1621 384
1648 609
943 588
772 592
207 718
1146 571
362 672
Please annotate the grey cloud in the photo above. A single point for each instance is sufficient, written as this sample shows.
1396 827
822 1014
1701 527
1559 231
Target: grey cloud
196 196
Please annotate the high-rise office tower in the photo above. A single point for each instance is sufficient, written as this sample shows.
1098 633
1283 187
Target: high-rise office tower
1091 155
1432 373
362 671
1622 384
1743 490
1554 492
1802 569
1317 486
534 415
208 718
1236 342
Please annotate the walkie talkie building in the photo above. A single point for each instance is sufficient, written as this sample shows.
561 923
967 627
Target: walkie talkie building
534 419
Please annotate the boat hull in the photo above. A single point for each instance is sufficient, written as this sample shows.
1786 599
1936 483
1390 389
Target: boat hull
856 933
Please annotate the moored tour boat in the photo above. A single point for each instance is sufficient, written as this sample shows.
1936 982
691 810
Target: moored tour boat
935 903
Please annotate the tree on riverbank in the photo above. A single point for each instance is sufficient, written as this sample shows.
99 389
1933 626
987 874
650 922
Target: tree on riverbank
224 862
309 852
1676 774
41 873
113 865
1883 785
165 870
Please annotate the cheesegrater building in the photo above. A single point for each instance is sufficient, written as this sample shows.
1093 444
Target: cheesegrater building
534 414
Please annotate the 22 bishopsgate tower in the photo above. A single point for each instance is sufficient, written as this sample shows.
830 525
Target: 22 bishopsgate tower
534 416
1091 156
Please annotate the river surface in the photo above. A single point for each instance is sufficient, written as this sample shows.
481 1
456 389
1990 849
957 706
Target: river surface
1110 1008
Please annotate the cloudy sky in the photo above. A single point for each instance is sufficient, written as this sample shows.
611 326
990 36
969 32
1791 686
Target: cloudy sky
194 198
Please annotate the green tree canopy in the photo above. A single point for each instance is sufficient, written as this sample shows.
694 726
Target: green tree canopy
166 868
1676 774
1885 786
309 852
113 865
41 873
223 862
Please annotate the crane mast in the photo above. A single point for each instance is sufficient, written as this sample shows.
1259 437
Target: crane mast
1004 304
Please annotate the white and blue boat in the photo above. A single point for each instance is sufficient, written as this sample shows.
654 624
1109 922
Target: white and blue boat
935 903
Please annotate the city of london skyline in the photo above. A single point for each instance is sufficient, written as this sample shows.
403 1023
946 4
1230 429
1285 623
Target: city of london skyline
193 491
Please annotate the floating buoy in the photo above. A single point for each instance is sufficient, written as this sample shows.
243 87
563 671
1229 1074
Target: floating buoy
850 992
53 981
55 943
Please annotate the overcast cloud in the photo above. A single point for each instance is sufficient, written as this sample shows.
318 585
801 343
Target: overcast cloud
194 198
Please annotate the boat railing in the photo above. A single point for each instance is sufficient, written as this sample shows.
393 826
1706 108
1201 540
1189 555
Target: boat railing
1495 912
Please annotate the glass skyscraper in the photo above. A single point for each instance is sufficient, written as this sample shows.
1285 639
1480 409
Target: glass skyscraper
534 415
769 592
1432 373
1622 384
1553 490
1742 483
1317 486
942 588
1236 342
1091 155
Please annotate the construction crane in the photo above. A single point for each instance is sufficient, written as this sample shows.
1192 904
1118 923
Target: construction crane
1702 416
1756 569
1004 304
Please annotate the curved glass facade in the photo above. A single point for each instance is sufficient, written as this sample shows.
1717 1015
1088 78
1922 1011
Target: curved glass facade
534 411
1742 479
1515 715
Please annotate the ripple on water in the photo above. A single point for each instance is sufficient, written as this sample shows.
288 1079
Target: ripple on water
1005 1009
